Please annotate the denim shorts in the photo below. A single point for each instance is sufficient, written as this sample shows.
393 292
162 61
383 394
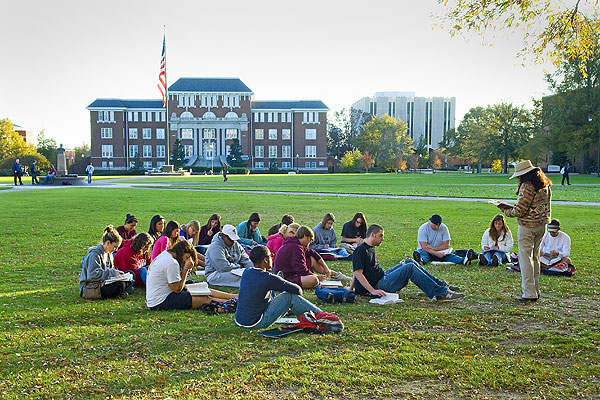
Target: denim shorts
175 301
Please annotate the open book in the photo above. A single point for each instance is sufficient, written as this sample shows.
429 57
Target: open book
238 271
497 202
287 320
198 289
331 284
125 277
549 259
389 298
446 251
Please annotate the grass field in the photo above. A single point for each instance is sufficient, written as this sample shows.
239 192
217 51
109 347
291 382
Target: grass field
54 344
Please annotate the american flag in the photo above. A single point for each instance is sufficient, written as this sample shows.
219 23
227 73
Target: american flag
162 75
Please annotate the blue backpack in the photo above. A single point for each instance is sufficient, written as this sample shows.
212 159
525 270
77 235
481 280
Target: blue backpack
334 295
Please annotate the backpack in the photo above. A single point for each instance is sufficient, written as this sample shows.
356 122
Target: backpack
215 307
560 269
318 322
334 295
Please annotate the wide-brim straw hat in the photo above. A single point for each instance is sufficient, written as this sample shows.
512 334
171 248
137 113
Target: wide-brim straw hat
522 168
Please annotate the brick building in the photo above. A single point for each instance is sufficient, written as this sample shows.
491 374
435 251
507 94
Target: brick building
207 114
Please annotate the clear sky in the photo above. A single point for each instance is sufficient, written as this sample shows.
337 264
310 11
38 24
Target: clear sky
58 56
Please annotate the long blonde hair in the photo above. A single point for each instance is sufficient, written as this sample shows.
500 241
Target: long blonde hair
192 224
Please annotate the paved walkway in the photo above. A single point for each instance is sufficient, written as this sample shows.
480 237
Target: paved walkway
120 184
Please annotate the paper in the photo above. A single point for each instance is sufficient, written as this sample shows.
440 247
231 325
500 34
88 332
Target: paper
237 271
125 277
331 284
287 321
446 251
389 298
198 289
200 272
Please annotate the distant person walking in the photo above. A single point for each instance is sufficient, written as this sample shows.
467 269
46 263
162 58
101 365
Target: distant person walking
34 173
89 170
16 169
224 172
565 174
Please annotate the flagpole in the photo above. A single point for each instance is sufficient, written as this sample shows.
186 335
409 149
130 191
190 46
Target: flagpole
167 97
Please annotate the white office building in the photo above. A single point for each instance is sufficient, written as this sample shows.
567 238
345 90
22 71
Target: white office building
429 117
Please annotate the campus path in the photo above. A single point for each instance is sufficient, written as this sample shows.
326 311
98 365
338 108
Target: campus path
121 183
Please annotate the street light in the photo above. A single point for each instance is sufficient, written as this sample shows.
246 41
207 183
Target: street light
598 164
297 163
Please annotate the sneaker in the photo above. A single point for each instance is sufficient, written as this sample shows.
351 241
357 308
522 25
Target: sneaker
482 260
495 261
471 255
123 295
526 299
417 257
450 296
341 277
453 288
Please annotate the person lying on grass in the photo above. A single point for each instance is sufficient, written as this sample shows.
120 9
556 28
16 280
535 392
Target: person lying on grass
257 307
298 263
165 284
371 279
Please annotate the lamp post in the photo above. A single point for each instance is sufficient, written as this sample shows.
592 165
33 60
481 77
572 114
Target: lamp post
297 163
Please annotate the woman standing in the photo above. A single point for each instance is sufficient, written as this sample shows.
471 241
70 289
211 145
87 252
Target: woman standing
496 243
533 211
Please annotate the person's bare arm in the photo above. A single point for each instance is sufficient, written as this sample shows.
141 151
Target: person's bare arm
358 275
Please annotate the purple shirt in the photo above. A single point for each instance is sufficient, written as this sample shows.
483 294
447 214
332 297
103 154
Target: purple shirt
293 259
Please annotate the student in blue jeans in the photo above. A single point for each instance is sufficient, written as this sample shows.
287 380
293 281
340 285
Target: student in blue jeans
257 307
371 279
433 243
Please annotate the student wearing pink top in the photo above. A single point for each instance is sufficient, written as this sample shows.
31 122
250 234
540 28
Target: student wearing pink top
276 241
170 236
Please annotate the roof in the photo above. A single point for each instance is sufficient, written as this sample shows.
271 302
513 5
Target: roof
289 105
120 103
203 85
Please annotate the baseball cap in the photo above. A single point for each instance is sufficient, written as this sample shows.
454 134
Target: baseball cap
231 232
436 219
554 226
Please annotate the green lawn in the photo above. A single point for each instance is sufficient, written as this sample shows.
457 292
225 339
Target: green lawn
54 344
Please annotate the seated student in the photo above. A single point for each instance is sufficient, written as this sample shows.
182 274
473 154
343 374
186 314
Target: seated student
496 243
98 267
165 284
433 238
275 241
354 232
127 230
170 236
555 247
371 279
257 306
225 254
249 233
324 234
157 224
285 220
51 174
297 262
135 256
208 231
191 232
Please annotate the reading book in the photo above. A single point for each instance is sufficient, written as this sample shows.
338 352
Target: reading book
198 289
237 271
125 277
549 259
389 298
447 251
497 202
331 284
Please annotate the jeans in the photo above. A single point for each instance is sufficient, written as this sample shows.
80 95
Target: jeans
143 271
49 178
452 257
279 306
502 257
34 179
89 178
396 278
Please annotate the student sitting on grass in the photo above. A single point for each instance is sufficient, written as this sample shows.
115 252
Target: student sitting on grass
371 279
257 306
135 256
276 241
223 255
297 262
191 233
324 234
157 225
208 231
127 230
169 237
165 284
249 233
354 232
98 266
555 247
496 243
285 220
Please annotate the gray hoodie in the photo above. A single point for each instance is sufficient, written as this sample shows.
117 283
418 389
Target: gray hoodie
222 258
322 237
97 266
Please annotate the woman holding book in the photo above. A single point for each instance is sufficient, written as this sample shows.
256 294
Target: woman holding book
191 233
496 242
135 256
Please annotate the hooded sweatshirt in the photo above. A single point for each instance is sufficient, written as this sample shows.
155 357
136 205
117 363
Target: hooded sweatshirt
97 266
322 237
222 258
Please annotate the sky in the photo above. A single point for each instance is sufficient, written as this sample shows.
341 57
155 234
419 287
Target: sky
59 56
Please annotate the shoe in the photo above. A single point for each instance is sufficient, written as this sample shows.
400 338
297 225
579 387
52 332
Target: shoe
450 296
482 260
417 257
341 277
524 300
453 288
123 295
495 261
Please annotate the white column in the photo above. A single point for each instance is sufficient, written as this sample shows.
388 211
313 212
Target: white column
218 142
200 149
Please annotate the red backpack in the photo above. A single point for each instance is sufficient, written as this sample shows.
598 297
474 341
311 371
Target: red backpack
318 322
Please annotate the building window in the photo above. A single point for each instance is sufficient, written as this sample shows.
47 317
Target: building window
147 164
269 117
157 116
209 133
107 150
262 117
259 134
104 164
256 117
289 117
286 151
187 150
373 108
310 134
392 109
159 164
286 165
307 164
310 117
286 134
187 133
163 115
135 116
160 151
275 117
146 133
231 133
147 151
106 133
259 164
310 151
129 116
132 133
160 133
143 116
133 150
272 151
272 134
259 151
149 116
106 116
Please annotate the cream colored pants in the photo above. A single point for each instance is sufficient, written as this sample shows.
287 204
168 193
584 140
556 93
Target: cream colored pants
529 259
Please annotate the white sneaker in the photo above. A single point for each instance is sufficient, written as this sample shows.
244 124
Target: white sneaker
450 296
341 277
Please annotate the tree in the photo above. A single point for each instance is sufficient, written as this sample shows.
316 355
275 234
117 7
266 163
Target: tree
47 146
497 166
178 154
11 143
137 162
235 154
84 150
551 28
343 128
350 160
385 138
400 163
413 161
436 163
366 161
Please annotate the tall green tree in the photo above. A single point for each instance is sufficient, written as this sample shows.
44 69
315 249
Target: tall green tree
343 128
11 143
385 138
47 146
235 154
178 154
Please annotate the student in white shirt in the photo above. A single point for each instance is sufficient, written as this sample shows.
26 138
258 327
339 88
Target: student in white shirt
496 242
555 247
